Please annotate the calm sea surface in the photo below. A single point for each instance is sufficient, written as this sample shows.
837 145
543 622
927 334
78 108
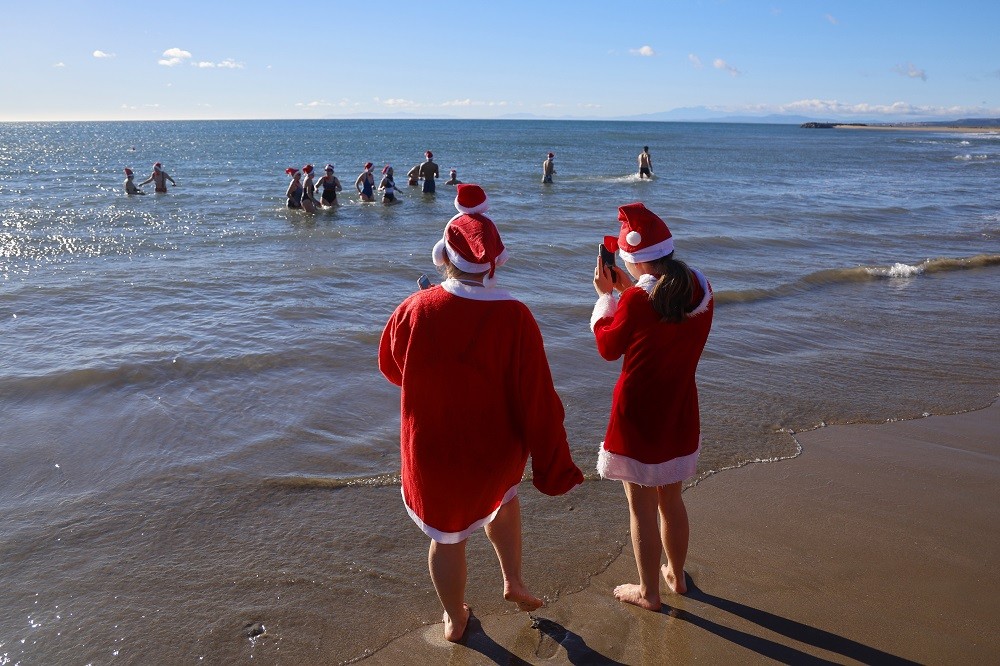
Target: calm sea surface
194 436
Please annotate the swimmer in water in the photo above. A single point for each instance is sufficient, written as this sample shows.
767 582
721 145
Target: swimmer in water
330 185
388 186
159 178
309 203
130 187
365 184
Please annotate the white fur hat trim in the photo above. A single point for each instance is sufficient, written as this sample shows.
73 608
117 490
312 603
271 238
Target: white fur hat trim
650 253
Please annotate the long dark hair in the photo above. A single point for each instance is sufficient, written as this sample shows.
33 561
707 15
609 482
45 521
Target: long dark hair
672 294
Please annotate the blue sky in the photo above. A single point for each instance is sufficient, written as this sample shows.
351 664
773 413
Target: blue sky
80 60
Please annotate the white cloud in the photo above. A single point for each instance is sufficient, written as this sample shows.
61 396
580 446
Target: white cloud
719 63
315 104
228 63
103 54
584 105
644 51
832 19
695 60
59 64
174 56
472 102
910 70
397 102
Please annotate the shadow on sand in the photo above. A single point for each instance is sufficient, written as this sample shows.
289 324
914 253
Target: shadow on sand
791 629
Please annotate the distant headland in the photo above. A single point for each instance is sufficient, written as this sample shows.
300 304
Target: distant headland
963 125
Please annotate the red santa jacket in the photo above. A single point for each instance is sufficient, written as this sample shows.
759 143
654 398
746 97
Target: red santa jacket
477 398
654 412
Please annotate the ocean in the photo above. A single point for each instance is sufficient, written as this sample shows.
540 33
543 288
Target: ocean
200 458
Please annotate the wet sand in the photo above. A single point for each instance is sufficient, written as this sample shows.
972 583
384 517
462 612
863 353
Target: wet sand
877 544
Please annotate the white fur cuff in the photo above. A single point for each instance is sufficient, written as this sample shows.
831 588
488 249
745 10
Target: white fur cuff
606 306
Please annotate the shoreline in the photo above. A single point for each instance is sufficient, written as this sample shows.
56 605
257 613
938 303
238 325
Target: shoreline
958 129
835 553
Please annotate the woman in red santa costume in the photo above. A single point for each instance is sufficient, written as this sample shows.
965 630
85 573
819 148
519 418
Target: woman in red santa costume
660 326
477 399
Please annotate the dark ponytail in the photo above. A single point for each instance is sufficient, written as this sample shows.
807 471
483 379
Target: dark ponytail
671 296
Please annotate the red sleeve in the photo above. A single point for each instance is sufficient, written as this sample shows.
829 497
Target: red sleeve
614 333
541 421
392 346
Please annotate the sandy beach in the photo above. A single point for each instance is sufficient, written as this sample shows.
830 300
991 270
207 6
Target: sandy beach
877 544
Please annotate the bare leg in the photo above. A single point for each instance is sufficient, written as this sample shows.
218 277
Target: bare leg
674 531
446 562
642 503
504 533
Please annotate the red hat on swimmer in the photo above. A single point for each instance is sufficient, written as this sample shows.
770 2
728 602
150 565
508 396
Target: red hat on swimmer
292 171
157 166
643 236
428 154
128 172
472 243
471 199
307 168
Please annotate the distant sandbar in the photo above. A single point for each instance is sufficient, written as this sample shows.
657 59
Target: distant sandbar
908 127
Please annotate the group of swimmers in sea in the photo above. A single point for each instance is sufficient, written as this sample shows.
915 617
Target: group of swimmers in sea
301 194
159 178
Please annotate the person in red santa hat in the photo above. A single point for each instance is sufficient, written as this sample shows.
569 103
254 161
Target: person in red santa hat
477 400
130 187
159 178
308 201
660 325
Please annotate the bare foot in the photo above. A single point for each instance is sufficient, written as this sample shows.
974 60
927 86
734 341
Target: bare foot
631 594
453 630
519 594
677 586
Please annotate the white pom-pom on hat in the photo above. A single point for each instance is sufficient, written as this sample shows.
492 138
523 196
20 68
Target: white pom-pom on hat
437 254
471 199
643 236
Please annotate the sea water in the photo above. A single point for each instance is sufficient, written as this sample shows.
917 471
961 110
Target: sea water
200 458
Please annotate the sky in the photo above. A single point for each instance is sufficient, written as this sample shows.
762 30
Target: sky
825 59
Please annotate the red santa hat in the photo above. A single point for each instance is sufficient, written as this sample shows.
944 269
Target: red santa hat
471 199
429 154
643 236
472 243
368 165
386 168
291 171
157 166
551 155
308 168
128 172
